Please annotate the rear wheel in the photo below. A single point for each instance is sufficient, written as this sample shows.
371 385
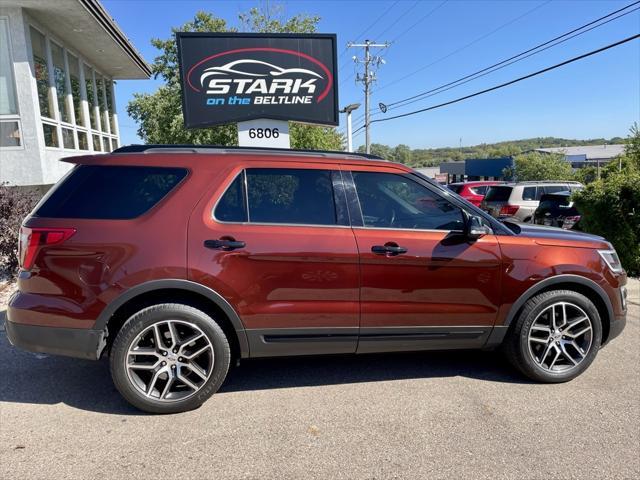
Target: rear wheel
556 336
169 358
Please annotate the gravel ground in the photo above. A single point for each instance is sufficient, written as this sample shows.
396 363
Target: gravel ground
427 415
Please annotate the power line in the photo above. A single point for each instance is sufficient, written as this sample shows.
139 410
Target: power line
422 19
482 37
382 15
404 14
502 85
479 39
521 56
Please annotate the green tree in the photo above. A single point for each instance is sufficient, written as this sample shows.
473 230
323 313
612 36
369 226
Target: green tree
402 154
159 114
378 149
539 166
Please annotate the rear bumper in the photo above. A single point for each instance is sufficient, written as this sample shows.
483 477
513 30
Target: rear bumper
70 342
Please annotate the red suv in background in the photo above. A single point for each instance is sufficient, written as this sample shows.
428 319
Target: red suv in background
176 261
473 192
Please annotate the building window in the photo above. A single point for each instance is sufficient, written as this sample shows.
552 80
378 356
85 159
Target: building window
41 71
111 106
50 135
67 139
66 123
91 95
96 143
83 142
60 82
103 105
10 135
74 78
8 103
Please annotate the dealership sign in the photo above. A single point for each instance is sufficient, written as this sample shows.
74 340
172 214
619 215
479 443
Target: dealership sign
236 77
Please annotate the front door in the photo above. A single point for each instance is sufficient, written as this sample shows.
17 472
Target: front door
424 284
278 247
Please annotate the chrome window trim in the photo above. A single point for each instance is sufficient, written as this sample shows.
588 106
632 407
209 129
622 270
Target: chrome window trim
410 229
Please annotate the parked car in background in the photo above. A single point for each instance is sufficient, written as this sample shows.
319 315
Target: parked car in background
473 192
557 210
520 200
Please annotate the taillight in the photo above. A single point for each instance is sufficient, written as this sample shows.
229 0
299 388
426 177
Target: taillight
509 210
31 239
570 221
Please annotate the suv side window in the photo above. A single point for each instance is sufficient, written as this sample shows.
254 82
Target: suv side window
555 188
290 196
529 193
232 206
390 200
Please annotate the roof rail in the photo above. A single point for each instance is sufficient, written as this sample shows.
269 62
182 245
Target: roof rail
221 150
530 182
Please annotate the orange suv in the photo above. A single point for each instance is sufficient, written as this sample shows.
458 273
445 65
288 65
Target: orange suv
175 261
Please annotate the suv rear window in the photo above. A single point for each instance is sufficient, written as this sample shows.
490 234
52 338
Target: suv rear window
109 192
498 194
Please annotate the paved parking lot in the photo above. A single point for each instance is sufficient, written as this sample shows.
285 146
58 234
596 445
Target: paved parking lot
427 415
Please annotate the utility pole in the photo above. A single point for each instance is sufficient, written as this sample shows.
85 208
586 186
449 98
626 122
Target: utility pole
367 79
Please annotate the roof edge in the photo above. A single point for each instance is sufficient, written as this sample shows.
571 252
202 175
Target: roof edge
95 8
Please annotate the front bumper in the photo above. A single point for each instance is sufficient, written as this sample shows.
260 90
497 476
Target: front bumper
70 342
616 327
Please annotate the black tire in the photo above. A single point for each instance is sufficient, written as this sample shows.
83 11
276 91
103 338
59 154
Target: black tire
143 319
516 345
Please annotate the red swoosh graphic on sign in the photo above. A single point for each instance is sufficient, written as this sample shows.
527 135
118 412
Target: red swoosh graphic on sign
323 94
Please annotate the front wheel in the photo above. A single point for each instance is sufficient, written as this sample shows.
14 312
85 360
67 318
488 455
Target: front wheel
169 358
556 336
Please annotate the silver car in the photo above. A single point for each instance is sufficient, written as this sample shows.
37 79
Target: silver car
520 200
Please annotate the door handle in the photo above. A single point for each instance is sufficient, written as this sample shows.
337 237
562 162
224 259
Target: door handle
224 244
388 249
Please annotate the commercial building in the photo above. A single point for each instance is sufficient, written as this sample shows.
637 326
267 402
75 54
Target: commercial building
58 63
586 155
473 169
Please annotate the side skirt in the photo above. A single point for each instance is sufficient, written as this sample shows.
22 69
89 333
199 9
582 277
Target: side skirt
315 341
403 339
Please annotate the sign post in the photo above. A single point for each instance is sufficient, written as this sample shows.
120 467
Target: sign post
260 81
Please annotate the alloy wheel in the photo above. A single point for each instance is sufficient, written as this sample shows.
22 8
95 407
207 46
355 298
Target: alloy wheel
560 337
170 360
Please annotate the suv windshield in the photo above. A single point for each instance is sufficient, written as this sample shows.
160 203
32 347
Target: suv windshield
498 194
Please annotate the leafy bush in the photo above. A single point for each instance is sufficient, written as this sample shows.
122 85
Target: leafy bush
15 204
611 206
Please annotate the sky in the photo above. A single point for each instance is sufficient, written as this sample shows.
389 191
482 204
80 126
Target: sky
436 42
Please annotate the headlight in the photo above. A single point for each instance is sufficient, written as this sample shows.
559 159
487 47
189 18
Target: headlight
610 257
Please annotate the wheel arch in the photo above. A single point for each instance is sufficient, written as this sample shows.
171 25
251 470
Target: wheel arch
577 283
175 291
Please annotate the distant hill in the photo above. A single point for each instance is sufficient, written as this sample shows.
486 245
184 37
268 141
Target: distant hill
424 157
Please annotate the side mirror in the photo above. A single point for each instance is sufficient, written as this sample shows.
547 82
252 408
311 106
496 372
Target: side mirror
475 228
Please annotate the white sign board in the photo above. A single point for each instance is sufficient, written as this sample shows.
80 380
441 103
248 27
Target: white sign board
264 133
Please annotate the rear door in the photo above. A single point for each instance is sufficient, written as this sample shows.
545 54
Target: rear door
278 246
423 284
